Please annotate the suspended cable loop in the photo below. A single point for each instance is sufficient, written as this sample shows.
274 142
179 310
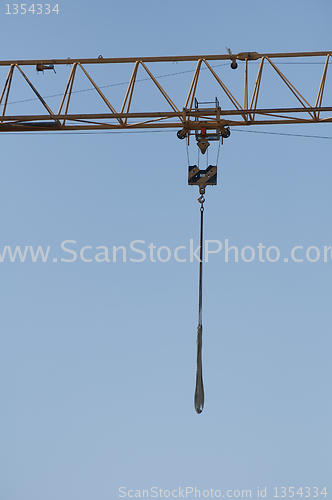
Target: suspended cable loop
199 390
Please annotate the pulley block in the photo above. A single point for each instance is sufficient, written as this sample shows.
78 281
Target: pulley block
197 177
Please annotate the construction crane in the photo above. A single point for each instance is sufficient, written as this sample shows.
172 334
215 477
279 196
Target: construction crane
206 121
188 117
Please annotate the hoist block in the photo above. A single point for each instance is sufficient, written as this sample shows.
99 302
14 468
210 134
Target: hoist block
197 177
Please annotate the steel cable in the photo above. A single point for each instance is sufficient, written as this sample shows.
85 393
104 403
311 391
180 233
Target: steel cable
199 391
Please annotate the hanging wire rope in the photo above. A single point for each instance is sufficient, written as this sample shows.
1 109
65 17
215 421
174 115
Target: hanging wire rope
199 390
188 153
282 133
218 151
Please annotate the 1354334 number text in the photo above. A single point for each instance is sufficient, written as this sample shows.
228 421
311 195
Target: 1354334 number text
37 8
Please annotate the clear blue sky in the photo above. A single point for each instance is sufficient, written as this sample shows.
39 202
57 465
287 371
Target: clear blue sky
97 359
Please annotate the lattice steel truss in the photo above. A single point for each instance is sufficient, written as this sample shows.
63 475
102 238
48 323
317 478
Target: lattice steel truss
186 118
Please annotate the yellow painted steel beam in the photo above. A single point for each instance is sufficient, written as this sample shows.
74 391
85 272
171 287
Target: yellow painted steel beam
242 56
53 127
201 113
69 128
